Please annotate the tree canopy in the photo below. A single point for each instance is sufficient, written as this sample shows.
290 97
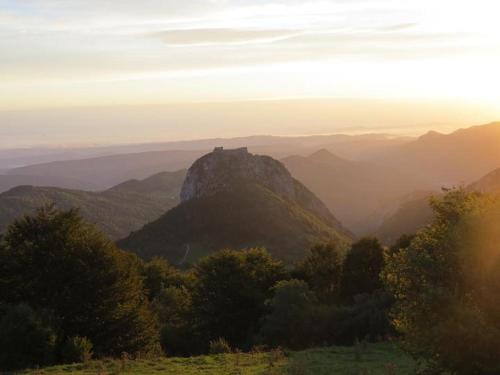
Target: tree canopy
362 267
446 284
54 260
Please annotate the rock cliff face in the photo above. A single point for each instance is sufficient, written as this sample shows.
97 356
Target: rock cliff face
227 170
222 170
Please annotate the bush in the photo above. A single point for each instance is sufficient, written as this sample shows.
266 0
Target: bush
76 349
219 346
26 338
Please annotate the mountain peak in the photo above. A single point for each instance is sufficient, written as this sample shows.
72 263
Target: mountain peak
323 155
431 134
222 170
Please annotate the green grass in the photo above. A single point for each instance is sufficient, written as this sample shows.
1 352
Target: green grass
374 359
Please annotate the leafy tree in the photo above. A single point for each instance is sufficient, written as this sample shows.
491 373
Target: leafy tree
322 269
174 310
361 268
447 283
229 296
159 274
27 338
53 260
402 242
291 320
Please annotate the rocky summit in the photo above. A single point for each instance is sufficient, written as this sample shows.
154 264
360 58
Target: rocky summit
227 170
222 169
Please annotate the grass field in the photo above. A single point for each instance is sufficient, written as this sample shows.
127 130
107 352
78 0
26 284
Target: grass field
372 359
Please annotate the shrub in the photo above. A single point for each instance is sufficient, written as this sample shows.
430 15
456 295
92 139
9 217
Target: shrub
219 346
76 349
26 338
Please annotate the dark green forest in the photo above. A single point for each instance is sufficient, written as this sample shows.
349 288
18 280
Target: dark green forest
68 294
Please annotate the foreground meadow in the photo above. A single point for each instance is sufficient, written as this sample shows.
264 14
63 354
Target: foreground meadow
373 359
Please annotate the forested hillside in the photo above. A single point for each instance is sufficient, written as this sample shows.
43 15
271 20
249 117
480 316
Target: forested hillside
117 211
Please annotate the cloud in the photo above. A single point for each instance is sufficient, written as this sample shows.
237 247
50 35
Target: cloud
223 36
398 27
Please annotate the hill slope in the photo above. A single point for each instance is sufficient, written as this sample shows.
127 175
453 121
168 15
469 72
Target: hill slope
488 183
117 211
236 199
351 189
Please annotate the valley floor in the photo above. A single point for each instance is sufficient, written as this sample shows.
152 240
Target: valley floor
372 359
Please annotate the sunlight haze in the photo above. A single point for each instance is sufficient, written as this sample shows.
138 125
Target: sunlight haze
66 54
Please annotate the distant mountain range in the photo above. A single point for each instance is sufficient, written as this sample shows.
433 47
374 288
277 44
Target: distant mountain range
353 190
350 146
106 171
458 158
117 211
235 199
139 161
375 184
436 159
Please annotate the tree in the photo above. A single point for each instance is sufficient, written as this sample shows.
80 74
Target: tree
27 338
322 269
53 260
447 283
174 310
401 243
159 275
291 320
361 268
232 286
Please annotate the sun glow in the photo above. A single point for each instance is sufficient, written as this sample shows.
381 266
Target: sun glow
64 54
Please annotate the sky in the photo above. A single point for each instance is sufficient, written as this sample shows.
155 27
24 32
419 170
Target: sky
74 71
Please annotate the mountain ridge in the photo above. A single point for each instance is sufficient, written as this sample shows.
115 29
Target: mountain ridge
116 211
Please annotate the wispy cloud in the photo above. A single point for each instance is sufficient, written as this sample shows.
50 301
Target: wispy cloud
398 27
223 36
